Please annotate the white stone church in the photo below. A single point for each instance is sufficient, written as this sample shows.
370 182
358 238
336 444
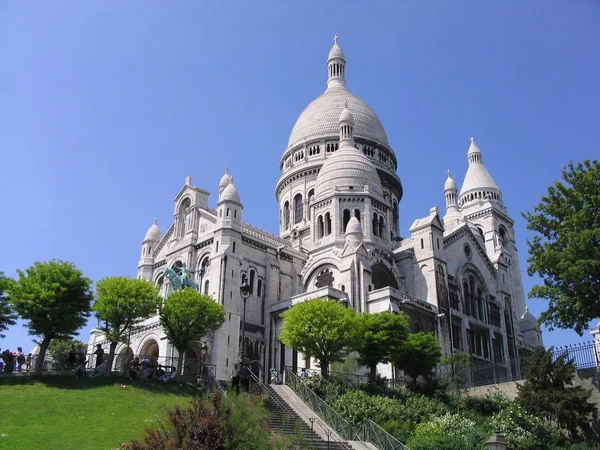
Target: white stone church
456 275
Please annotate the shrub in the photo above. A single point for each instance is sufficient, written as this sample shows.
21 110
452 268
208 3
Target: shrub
524 431
449 432
241 423
490 404
357 406
328 389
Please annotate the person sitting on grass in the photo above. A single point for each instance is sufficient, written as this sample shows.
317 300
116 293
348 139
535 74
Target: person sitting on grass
81 362
100 370
168 376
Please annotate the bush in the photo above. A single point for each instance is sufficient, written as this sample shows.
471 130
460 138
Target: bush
215 425
328 389
524 431
489 405
357 406
448 432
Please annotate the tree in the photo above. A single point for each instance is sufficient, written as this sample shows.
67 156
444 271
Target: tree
7 315
55 298
383 335
121 304
457 364
548 392
321 328
187 316
566 251
418 356
59 350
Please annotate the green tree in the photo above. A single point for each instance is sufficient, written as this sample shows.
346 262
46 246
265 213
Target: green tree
55 298
59 350
384 334
7 315
121 304
456 365
321 328
187 316
566 251
548 392
418 356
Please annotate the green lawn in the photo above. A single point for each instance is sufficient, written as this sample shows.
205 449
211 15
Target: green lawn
62 412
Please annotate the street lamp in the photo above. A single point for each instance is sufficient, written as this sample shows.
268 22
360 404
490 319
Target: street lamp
203 355
496 442
244 293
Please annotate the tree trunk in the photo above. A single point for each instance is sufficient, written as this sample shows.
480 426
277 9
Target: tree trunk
111 357
179 362
324 368
373 374
39 364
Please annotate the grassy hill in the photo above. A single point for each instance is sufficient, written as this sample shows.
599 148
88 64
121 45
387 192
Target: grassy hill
62 412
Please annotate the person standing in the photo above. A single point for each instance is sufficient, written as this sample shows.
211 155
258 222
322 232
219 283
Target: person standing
99 355
20 356
235 379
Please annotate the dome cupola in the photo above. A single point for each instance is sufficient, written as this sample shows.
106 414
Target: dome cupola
354 233
336 66
225 180
478 183
153 234
348 169
230 194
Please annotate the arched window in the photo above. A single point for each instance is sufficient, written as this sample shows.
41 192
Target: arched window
481 232
259 287
252 281
327 224
206 287
381 227
375 225
346 219
311 194
286 215
357 214
502 233
395 214
320 227
298 208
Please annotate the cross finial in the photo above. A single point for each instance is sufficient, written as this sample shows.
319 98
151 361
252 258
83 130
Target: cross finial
472 138
226 169
155 221
448 173
335 39
188 180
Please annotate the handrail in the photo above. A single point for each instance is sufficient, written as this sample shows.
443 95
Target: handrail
273 398
367 430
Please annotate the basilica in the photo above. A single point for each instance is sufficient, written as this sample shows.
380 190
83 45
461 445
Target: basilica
456 275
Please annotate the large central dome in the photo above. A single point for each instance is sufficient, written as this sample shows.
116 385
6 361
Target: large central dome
320 118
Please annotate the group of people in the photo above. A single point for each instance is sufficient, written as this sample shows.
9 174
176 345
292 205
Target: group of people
144 370
13 361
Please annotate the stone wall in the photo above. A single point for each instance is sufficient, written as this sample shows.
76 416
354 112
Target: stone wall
587 378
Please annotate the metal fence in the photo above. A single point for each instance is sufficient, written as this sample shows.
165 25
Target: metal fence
584 356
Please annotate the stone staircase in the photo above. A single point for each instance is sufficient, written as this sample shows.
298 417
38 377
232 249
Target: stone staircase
284 420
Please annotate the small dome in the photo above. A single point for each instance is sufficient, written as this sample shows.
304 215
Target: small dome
346 117
477 177
225 180
335 52
230 194
473 148
527 320
354 227
153 233
450 184
347 170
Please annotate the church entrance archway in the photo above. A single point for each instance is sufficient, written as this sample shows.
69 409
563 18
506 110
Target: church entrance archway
150 351
123 358
383 277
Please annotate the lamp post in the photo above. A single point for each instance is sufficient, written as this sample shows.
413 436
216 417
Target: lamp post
496 442
203 355
244 293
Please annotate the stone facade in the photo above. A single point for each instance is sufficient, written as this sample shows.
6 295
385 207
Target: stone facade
339 194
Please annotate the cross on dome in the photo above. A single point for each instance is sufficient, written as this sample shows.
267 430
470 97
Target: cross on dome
335 39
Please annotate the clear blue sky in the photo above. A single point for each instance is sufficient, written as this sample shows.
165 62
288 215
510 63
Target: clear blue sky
106 107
